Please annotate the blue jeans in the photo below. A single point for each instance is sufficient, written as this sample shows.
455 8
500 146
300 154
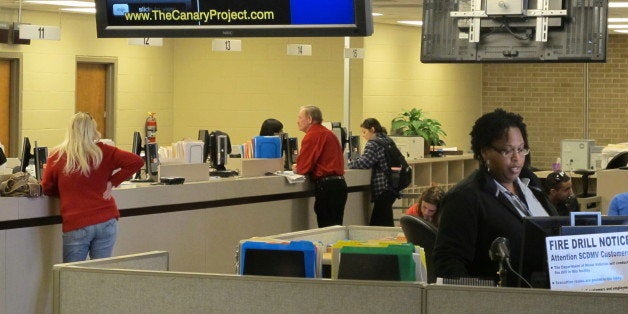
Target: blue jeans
96 239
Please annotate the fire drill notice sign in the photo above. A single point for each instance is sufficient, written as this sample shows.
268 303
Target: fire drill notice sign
591 262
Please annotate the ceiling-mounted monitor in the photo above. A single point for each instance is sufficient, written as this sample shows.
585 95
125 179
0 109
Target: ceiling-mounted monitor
233 18
514 31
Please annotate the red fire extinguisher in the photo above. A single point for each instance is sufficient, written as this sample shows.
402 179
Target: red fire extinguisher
151 127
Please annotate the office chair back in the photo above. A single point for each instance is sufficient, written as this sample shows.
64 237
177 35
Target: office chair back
420 232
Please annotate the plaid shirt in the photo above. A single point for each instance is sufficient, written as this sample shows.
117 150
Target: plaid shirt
374 157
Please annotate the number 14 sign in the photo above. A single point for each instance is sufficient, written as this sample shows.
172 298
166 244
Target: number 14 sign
35 32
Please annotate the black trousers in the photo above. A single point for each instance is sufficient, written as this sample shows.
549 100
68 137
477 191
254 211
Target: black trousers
330 198
382 210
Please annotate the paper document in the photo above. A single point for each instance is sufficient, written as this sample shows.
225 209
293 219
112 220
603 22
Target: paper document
291 176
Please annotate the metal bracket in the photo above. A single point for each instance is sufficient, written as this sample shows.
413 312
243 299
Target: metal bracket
476 14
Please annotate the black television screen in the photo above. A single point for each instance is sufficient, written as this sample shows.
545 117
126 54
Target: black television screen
233 18
514 31
533 261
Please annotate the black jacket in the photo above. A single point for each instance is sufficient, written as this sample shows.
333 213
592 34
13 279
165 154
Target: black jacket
471 218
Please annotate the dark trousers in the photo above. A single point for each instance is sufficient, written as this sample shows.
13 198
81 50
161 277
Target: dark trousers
382 210
330 198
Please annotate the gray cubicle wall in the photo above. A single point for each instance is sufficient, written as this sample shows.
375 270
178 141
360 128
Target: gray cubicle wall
457 299
106 287
92 289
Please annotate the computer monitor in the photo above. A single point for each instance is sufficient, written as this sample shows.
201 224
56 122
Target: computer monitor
533 257
361 266
354 147
290 150
203 135
26 154
620 160
219 149
3 157
137 149
274 263
293 259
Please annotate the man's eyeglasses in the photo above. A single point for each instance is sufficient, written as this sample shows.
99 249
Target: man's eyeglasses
509 152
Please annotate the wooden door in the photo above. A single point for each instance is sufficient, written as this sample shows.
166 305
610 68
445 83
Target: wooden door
91 86
5 96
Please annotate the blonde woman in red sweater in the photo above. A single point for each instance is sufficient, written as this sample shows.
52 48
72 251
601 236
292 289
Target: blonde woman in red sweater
80 171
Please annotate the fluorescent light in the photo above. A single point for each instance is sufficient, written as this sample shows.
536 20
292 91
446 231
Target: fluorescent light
80 10
623 31
81 4
413 23
617 26
618 4
376 14
618 20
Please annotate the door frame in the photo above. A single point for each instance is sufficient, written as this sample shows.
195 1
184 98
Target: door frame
15 99
110 89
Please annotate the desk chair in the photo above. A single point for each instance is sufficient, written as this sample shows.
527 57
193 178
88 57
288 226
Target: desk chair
420 232
587 201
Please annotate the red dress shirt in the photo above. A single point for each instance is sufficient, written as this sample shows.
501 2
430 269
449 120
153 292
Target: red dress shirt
320 155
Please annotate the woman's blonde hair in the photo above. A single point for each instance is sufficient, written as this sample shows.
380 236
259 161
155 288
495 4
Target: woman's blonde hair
79 147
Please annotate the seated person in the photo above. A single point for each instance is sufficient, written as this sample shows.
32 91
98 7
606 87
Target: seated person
271 127
619 205
558 187
427 206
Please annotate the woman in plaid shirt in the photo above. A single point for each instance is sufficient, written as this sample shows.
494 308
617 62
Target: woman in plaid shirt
382 194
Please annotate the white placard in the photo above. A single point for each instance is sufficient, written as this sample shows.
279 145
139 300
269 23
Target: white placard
591 262
147 41
299 50
354 53
34 32
226 45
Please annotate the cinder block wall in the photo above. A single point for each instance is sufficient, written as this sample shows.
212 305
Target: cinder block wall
556 99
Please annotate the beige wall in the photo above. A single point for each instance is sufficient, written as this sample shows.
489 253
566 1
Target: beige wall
395 80
235 91
144 81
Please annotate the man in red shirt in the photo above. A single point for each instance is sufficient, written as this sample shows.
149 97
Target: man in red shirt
321 159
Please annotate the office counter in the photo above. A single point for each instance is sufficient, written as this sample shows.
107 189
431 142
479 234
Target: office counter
199 223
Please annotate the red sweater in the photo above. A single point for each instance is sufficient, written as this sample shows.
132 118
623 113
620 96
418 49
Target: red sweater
82 202
320 154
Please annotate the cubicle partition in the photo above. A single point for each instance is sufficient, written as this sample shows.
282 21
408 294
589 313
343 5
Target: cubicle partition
104 288
140 283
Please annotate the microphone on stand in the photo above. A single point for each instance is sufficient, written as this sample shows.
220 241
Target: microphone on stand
500 252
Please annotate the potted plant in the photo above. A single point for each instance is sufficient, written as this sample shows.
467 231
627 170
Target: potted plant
414 123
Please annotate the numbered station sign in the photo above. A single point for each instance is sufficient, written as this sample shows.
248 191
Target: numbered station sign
35 32
354 53
299 50
147 41
226 45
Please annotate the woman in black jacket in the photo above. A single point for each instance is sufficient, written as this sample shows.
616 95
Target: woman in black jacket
491 202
